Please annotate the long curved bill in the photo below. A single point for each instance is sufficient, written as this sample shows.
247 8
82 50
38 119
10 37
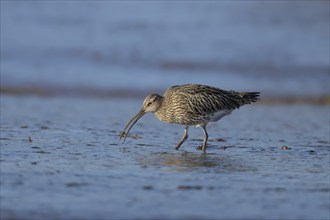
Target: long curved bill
132 122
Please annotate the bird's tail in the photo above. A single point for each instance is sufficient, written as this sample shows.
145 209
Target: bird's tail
249 97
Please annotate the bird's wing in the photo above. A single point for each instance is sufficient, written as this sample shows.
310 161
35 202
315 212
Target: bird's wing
206 99
171 90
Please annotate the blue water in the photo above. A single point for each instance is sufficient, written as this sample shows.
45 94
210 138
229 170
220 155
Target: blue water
61 157
278 48
75 167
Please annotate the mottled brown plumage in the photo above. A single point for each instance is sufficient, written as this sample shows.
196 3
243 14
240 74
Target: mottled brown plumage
192 104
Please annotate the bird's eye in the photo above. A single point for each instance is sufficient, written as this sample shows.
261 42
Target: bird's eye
149 103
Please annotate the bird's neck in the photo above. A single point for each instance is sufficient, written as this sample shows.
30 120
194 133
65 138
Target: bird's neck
162 112
160 103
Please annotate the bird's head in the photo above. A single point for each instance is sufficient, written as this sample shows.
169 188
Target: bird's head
150 104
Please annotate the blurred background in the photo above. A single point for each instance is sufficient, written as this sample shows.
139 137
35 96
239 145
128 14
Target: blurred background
129 49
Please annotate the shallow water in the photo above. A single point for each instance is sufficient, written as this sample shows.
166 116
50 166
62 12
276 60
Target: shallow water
61 158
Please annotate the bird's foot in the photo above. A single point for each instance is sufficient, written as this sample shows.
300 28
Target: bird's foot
201 148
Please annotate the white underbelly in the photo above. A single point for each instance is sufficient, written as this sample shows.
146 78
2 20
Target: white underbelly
214 117
218 115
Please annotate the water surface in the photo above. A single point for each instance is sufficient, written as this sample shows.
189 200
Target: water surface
61 158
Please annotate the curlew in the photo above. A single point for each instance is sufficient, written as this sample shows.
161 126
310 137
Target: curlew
191 105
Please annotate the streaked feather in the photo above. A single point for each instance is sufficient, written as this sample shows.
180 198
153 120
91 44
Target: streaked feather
194 104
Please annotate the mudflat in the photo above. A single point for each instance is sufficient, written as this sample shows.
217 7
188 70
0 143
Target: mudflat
62 158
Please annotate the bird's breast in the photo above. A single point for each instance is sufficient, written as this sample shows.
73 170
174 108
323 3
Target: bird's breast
172 115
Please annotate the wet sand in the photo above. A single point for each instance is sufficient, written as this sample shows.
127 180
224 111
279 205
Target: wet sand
61 159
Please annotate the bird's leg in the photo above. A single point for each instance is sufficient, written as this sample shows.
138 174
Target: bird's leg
206 136
184 138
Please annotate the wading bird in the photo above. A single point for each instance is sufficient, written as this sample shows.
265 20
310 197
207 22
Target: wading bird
191 105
